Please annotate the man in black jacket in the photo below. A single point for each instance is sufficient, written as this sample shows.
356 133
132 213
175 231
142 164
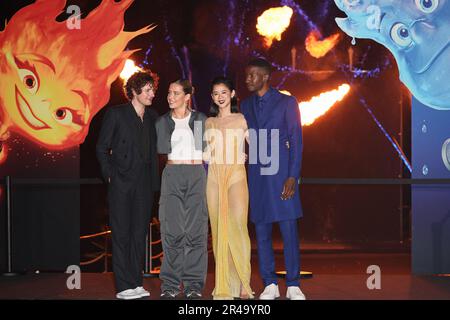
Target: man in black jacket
126 150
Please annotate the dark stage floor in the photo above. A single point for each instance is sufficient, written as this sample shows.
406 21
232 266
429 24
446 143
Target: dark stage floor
337 276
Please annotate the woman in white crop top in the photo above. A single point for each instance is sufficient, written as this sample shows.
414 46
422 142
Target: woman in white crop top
182 210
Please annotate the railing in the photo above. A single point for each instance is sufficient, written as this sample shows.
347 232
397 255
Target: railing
9 182
105 254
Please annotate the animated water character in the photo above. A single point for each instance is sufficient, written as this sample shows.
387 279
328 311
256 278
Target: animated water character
417 32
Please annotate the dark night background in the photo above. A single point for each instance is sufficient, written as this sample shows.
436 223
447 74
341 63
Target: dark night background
215 37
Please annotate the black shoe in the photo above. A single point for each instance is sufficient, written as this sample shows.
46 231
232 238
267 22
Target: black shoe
193 294
168 295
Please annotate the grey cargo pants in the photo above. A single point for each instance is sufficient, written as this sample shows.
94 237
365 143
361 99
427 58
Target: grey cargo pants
184 227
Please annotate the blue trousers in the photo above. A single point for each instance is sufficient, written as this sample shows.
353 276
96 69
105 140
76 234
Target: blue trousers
291 251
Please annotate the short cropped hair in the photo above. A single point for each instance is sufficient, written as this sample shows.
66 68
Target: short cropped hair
261 63
139 80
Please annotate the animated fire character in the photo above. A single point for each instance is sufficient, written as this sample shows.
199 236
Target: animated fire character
54 79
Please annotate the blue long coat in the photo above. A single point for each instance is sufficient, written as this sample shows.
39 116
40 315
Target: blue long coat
278 111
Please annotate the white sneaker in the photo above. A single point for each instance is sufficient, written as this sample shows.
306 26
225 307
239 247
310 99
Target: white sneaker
270 292
142 292
128 294
294 293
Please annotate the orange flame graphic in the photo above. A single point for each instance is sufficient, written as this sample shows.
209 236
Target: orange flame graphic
53 79
319 105
273 22
3 152
319 48
129 69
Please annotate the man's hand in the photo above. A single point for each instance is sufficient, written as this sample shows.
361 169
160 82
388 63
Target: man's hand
288 189
109 179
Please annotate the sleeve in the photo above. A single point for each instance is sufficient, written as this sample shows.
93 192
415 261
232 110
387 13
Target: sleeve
203 118
159 136
294 128
207 138
104 144
245 127
243 108
153 114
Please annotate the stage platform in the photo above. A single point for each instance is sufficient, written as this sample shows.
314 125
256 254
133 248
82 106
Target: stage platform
336 276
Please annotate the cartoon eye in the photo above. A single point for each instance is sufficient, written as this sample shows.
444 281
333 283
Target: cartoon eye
64 115
29 79
427 6
351 3
400 35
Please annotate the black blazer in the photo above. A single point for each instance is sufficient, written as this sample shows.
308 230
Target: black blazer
117 147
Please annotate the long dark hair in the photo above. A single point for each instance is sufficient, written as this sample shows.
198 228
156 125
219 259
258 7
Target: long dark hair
214 109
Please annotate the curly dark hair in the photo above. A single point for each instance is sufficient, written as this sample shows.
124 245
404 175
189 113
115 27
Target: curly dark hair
139 80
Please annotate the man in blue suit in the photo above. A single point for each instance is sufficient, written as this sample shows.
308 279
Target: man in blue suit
274 123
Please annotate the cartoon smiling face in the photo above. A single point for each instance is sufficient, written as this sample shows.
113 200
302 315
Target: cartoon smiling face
417 32
41 105
54 79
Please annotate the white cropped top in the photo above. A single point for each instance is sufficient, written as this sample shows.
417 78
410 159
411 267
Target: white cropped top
182 141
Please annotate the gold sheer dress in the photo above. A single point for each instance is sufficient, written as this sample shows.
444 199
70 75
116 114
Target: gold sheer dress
227 198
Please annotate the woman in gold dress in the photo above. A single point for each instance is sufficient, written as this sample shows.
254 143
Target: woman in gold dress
227 193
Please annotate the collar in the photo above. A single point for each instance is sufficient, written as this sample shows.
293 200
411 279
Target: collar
266 95
168 114
146 113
